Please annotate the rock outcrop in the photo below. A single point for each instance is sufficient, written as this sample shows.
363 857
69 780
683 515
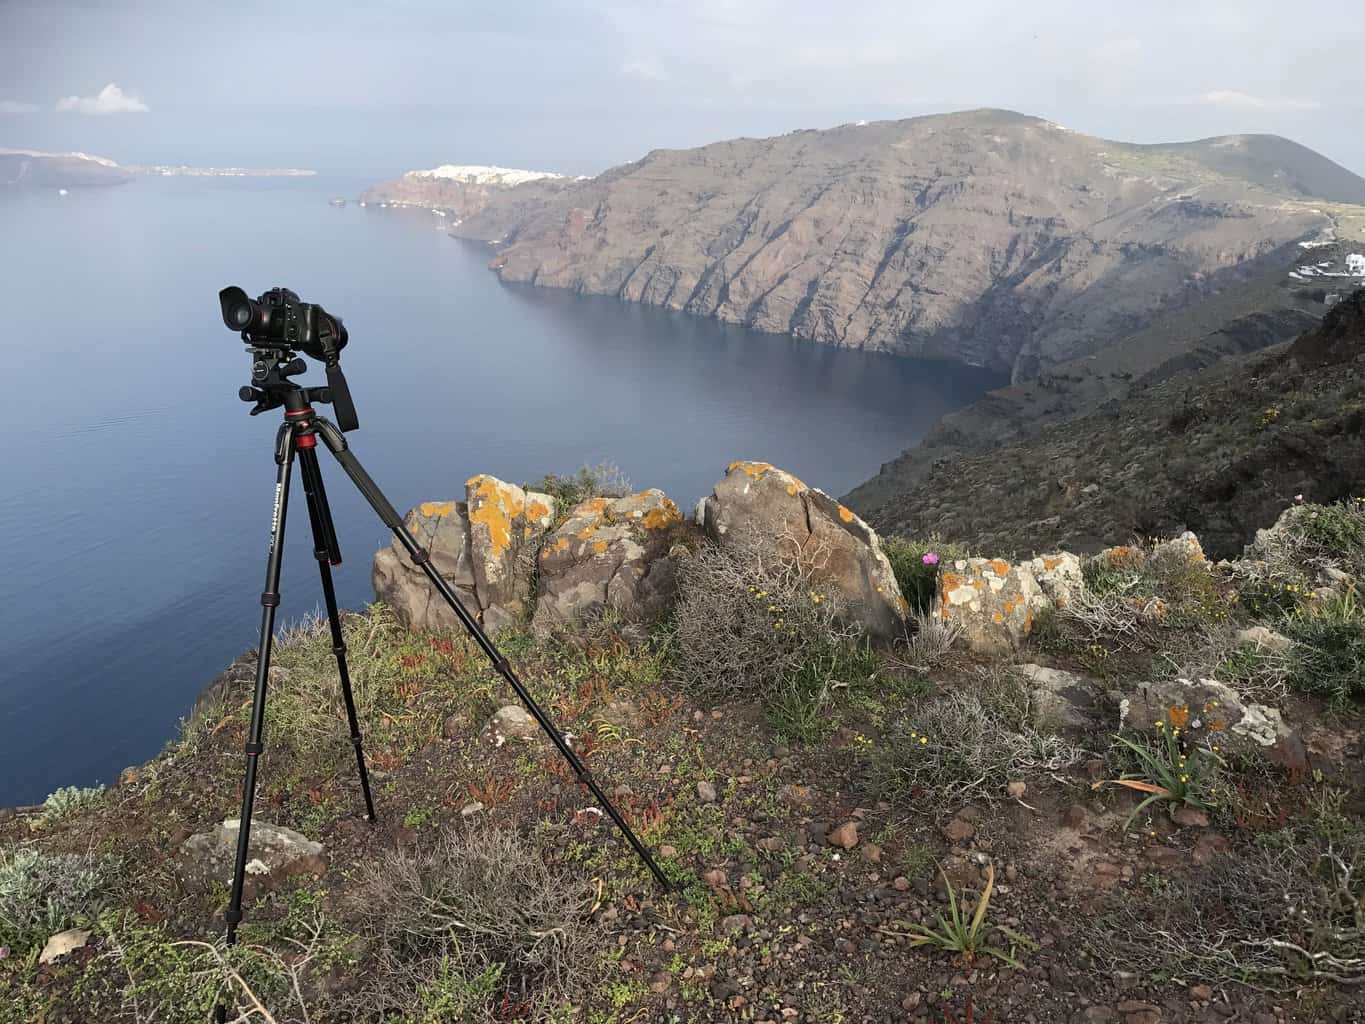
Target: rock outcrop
992 601
611 553
483 546
760 506
275 853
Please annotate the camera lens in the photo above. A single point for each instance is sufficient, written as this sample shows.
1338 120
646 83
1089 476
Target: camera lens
240 316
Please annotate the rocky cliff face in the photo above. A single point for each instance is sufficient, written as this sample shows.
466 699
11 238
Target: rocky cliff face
985 237
21 168
465 190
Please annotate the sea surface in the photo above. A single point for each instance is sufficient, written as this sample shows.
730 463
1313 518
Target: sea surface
135 489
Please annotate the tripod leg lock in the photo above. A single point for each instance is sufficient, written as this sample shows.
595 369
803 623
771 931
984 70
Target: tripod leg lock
502 666
356 740
233 918
269 600
421 556
339 649
585 778
255 749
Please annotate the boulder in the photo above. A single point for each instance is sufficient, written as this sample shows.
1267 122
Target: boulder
1059 577
991 600
758 505
1263 638
1185 548
1206 709
442 527
505 522
1062 700
611 553
275 853
511 721
481 546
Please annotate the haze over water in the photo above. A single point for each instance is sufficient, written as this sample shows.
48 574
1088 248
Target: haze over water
135 505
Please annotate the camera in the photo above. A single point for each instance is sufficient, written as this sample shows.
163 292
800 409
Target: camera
279 319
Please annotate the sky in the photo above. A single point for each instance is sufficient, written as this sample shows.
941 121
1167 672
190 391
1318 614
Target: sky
580 85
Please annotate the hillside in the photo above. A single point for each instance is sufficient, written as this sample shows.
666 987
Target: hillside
985 237
1216 450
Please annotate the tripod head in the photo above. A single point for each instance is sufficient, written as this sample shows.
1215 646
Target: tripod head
275 327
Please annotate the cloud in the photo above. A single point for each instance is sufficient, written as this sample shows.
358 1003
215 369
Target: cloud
16 107
110 100
645 69
1231 98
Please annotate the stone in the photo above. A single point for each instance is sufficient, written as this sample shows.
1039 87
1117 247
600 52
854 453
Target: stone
771 844
504 521
511 722
62 943
991 600
959 831
1263 638
275 853
1059 577
1201 992
1016 790
611 553
470 809
442 527
736 923
844 836
798 797
1210 710
706 792
872 853
1185 548
758 505
1189 817
1061 700
715 878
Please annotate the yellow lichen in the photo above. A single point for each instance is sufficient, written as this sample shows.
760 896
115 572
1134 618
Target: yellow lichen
536 509
845 514
599 546
494 505
1000 566
658 518
439 509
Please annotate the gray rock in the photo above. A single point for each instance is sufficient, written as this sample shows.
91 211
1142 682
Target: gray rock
761 506
510 722
442 527
706 792
274 854
1263 638
1062 699
611 553
991 600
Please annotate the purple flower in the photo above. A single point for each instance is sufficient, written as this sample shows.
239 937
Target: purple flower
930 558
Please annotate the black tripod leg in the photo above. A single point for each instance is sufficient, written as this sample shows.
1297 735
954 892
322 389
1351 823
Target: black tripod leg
270 600
328 554
367 487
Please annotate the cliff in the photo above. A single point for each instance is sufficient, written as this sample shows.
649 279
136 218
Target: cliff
465 190
985 237
24 168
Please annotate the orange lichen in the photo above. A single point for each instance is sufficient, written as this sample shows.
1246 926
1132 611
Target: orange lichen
1000 566
978 584
1179 715
845 514
658 518
948 582
439 509
998 617
1051 563
536 509
494 505
599 546
595 505
902 604
753 469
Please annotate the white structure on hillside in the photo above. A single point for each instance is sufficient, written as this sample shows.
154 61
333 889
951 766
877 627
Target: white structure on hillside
1355 264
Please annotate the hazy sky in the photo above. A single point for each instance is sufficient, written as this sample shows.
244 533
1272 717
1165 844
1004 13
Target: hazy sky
579 85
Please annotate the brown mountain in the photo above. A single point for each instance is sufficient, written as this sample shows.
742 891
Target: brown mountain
985 237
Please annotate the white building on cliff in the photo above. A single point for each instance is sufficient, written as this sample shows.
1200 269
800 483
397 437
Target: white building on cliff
1355 264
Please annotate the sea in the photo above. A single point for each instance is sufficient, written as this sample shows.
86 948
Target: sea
136 488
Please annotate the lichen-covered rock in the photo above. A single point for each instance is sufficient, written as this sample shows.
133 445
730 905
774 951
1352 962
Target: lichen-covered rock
610 553
1210 710
991 600
275 853
1059 576
1062 700
481 546
758 504
1186 547
442 527
504 523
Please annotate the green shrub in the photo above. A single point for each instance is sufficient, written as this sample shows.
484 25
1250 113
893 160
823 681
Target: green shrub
603 480
751 626
918 579
1328 658
1332 531
70 800
45 893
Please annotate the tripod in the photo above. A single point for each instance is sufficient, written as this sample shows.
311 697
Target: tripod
297 438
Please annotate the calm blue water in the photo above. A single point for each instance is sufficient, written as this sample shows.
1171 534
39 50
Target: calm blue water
135 490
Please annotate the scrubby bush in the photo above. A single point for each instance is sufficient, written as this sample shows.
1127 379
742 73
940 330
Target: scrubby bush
45 893
1328 657
968 743
604 480
916 565
70 800
474 927
753 626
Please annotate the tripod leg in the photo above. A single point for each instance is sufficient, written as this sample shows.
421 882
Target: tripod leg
371 492
270 600
327 553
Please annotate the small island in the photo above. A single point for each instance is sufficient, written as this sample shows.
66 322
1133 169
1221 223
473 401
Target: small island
28 168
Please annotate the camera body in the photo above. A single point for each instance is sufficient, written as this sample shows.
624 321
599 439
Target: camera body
279 319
